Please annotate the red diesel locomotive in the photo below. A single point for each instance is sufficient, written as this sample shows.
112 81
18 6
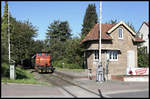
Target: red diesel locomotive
43 62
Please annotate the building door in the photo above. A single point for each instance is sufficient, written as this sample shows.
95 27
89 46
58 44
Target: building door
130 59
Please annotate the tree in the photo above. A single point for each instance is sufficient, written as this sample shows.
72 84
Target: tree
37 46
131 26
143 58
90 19
112 22
57 34
71 55
4 34
58 31
74 52
116 21
65 31
22 34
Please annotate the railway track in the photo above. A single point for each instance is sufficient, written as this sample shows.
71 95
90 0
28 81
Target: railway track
54 80
72 88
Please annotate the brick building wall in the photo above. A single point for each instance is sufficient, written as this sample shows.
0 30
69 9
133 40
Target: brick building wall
122 45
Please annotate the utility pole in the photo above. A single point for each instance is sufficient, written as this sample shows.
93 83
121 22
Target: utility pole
100 21
8 38
12 65
99 71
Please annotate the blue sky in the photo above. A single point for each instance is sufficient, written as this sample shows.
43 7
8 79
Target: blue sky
42 13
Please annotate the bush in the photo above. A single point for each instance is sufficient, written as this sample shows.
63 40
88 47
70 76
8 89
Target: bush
5 70
73 66
143 60
66 64
20 73
143 57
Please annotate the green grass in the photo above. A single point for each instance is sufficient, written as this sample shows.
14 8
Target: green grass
22 76
24 81
66 69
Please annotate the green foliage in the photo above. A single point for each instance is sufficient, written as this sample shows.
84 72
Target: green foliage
73 70
22 76
116 21
21 39
4 33
112 22
143 58
37 46
58 31
72 57
57 34
21 73
5 70
62 47
131 26
90 19
74 51
65 64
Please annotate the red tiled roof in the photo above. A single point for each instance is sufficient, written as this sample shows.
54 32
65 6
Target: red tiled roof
94 32
137 39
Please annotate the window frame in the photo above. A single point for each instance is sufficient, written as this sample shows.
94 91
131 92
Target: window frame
46 54
112 55
96 55
119 33
39 54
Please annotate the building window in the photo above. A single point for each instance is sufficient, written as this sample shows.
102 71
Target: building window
113 55
120 33
96 55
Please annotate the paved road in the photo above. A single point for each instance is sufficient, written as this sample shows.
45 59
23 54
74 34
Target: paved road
36 91
136 94
29 90
109 88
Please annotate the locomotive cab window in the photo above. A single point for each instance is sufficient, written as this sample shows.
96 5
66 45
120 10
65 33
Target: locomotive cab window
46 54
39 54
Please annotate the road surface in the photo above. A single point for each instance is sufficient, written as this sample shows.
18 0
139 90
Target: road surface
130 94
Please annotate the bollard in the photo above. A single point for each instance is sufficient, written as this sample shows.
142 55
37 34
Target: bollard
90 74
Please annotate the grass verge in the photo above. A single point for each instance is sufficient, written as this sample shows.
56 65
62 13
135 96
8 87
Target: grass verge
66 69
23 76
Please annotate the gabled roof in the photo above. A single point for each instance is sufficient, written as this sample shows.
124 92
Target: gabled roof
122 23
147 23
106 30
94 32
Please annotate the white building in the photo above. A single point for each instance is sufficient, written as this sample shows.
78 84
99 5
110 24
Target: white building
144 34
